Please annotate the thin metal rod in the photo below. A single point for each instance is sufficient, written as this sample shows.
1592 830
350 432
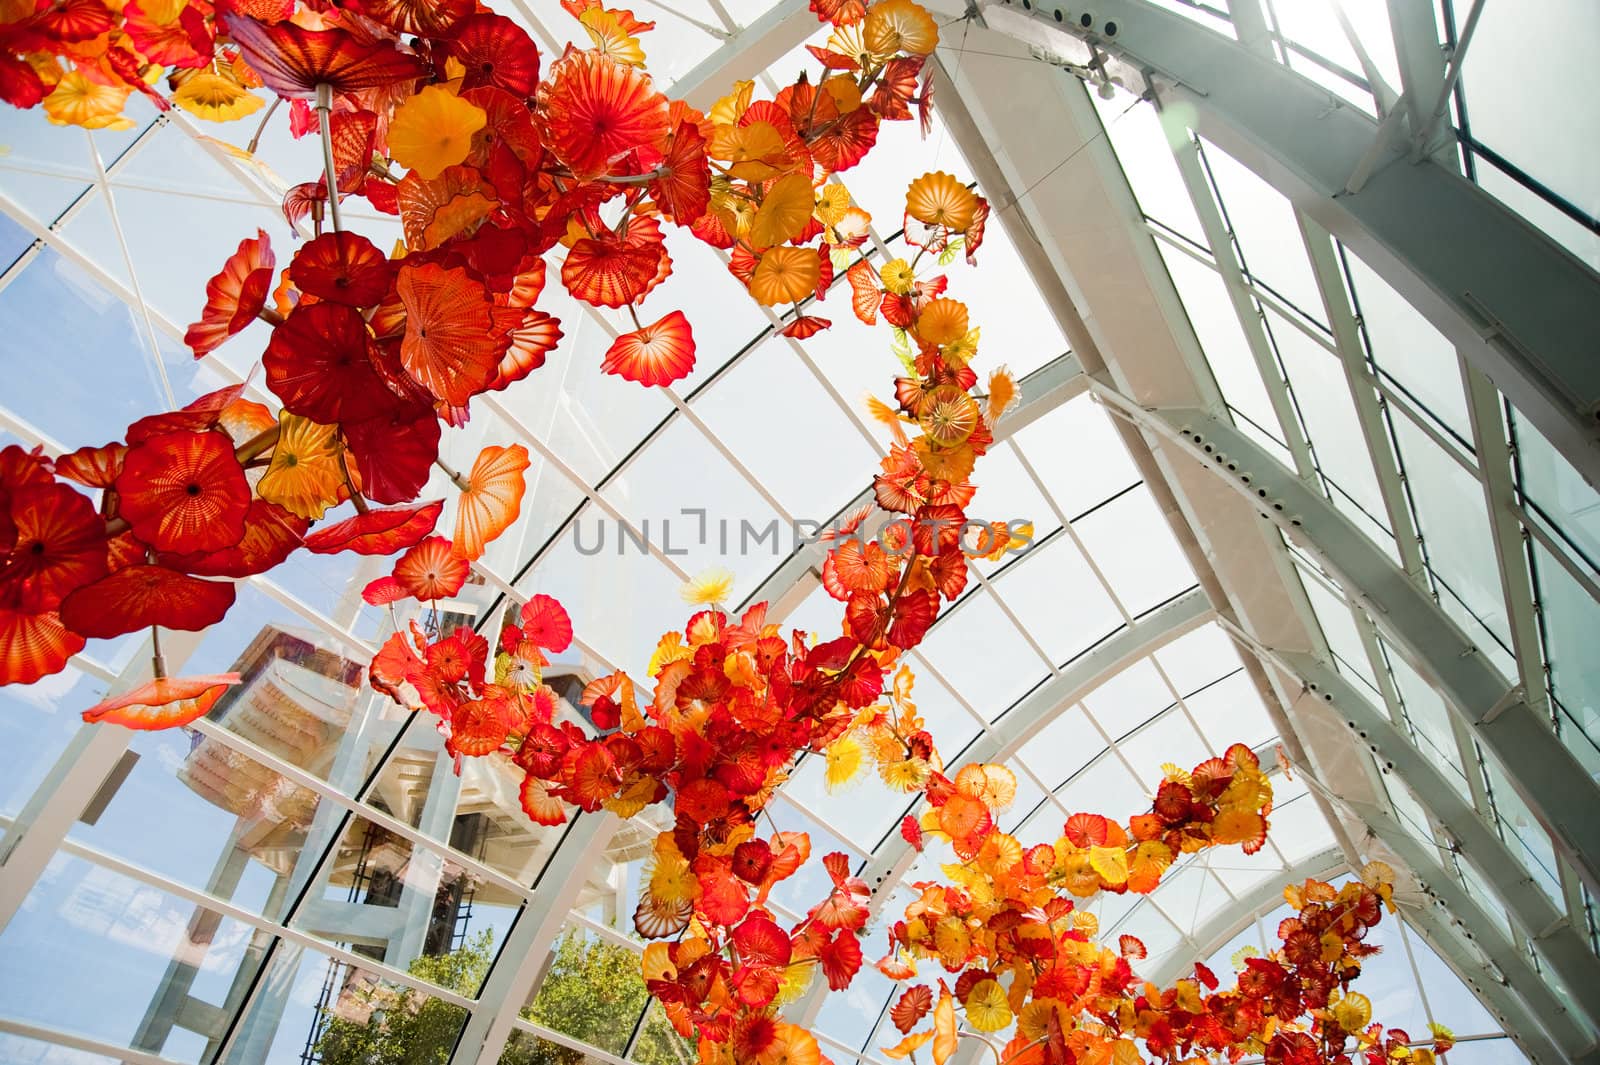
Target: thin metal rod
1421 137
324 114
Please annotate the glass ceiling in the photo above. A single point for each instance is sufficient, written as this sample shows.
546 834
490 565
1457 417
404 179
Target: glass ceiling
262 883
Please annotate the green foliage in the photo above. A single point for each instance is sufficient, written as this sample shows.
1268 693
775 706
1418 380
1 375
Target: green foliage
591 992
902 350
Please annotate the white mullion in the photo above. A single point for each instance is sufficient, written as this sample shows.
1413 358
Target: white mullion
1424 424
58 243
1560 552
1499 496
1186 153
550 1035
1295 316
355 805
74 1041
1361 382
238 913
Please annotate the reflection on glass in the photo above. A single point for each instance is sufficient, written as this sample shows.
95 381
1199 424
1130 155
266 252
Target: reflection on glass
173 966
312 1008
591 990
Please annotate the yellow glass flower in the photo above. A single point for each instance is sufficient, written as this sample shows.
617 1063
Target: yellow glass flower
1353 1011
433 130
833 200
987 1008
304 477
844 757
656 964
905 775
77 101
960 352
845 92
216 98
726 111
709 586
610 39
754 153
670 649
894 26
784 211
898 277
939 199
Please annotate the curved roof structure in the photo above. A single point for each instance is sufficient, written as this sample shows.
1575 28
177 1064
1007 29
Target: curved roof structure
1302 295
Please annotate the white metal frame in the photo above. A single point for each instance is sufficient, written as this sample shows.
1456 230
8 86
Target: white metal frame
1517 306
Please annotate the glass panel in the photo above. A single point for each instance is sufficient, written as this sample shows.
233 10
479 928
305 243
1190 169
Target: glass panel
310 1003
1078 456
1133 546
1230 711
1205 299
1429 719
1331 423
1036 587
1557 224
1263 223
1062 747
1408 348
1338 628
1570 617
1560 493
1523 833
761 410
1198 658
408 903
1129 698
983 656
1142 147
1532 113
591 990
660 1044
83 927
53 305
1168 739
37 721
1454 525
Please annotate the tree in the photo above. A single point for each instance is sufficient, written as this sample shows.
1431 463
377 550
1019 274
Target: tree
592 992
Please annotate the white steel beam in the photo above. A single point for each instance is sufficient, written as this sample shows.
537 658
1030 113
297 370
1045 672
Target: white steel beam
1064 200
1549 778
1505 980
1511 556
1564 946
1518 306
1480 970
748 52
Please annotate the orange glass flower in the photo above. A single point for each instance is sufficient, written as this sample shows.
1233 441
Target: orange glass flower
785 275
